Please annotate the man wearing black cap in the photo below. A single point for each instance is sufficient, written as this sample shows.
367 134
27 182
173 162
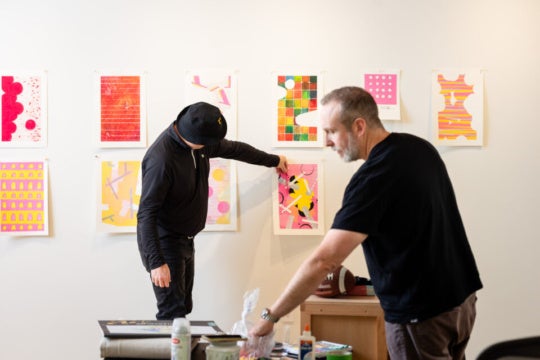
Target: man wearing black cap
174 199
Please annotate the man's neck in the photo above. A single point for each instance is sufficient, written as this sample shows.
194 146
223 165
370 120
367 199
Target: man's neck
373 138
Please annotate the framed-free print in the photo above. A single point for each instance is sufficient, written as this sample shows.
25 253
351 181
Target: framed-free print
24 109
119 192
298 199
222 213
383 85
121 109
457 104
296 97
24 197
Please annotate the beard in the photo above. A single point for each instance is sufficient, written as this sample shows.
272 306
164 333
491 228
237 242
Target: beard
351 152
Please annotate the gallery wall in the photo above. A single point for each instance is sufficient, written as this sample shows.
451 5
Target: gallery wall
55 288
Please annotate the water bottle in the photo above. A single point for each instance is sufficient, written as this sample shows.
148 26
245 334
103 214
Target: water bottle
181 339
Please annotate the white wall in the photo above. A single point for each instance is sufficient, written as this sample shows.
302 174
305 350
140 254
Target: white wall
54 289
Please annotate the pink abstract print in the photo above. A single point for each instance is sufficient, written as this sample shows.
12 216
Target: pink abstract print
298 197
454 120
21 110
383 88
22 197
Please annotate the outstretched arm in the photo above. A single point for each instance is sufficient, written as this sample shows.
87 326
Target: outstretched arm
331 253
242 151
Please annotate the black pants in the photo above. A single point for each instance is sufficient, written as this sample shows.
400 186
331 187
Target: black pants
176 300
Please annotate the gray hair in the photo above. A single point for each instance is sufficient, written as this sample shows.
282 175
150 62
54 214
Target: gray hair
355 103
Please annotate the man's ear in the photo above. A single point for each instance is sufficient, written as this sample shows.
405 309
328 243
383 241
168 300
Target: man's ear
359 126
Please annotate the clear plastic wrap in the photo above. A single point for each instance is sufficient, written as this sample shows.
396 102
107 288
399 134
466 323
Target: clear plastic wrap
252 348
258 347
243 326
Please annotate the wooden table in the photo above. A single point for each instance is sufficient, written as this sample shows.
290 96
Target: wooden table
353 320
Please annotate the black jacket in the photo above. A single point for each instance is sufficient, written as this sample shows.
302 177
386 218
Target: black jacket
174 198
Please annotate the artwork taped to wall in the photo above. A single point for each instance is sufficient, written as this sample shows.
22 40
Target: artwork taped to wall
457 107
296 97
121 109
222 199
119 192
298 199
24 198
383 85
217 87
24 109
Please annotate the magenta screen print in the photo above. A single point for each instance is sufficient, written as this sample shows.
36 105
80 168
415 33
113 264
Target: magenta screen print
23 198
24 116
297 207
384 87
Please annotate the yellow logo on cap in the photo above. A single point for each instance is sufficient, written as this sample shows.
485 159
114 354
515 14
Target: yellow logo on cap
219 120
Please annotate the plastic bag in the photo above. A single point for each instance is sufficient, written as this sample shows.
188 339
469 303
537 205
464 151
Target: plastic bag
258 347
243 326
252 348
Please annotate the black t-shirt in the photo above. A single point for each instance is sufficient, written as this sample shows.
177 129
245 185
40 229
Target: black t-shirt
417 252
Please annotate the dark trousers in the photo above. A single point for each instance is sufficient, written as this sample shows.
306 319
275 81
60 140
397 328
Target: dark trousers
176 300
444 336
